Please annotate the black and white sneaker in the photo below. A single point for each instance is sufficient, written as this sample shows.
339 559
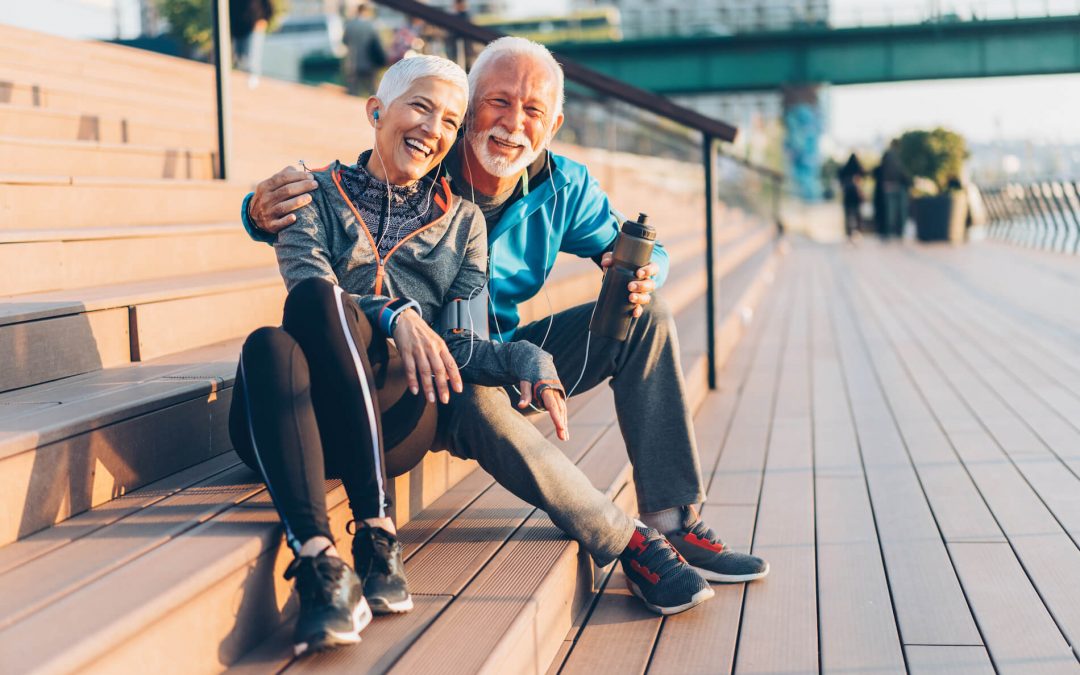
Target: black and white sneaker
657 574
377 556
332 606
707 554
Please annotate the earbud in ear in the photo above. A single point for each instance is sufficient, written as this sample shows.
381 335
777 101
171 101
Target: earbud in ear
376 115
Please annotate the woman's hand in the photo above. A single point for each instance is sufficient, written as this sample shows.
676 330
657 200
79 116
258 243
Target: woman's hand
554 402
425 357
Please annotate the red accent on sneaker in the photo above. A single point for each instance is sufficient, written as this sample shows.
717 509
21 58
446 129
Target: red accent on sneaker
637 542
714 546
651 577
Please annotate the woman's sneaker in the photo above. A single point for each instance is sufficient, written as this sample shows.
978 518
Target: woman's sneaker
377 556
707 554
332 606
658 575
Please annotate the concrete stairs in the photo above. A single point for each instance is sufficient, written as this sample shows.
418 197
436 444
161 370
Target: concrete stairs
131 537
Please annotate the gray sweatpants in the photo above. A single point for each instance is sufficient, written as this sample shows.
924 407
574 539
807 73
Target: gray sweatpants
646 376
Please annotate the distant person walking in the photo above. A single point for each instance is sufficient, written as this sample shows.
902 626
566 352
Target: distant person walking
248 21
895 181
364 53
851 176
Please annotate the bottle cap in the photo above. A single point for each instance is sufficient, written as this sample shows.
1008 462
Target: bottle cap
639 229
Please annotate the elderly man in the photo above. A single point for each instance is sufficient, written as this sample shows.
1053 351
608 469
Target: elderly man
536 204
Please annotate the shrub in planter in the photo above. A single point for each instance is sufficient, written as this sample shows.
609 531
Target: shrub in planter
940 204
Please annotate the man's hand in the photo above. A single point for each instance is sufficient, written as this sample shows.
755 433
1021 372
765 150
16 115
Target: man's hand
425 357
553 402
271 209
642 287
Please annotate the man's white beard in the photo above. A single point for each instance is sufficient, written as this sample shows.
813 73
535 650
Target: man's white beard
497 165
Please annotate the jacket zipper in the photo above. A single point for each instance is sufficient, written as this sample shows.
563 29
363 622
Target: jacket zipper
380 263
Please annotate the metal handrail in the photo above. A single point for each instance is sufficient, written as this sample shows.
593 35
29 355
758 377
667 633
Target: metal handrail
1042 214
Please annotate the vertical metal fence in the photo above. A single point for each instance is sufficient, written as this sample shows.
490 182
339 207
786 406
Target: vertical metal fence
1043 215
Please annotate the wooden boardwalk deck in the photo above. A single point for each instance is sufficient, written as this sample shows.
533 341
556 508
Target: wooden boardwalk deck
899 435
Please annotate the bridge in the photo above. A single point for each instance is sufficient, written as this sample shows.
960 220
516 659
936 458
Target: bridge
819 54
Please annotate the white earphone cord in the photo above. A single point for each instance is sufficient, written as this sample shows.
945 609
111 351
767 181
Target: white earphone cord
547 296
386 223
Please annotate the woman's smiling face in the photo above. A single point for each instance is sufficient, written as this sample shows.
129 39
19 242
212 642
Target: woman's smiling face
414 133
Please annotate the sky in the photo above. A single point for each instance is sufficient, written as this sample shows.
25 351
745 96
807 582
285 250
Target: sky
1040 109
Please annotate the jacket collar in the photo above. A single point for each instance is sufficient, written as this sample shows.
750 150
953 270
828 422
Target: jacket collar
529 204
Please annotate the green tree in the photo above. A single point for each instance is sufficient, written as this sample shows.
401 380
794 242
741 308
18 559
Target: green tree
937 155
190 21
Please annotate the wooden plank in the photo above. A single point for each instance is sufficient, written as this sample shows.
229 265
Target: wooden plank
109 159
1020 635
35 306
1049 556
99 203
619 635
930 605
24 550
948 660
780 629
53 482
30 587
57 265
702 641
42 351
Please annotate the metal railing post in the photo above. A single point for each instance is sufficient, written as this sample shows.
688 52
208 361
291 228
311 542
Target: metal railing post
223 81
710 263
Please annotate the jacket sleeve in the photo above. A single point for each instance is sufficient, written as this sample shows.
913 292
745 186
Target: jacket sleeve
594 224
303 251
483 361
253 232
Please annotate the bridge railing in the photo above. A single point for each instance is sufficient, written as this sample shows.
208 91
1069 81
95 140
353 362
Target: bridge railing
1043 214
752 16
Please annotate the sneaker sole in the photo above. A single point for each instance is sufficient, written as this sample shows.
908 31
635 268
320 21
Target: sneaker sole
695 600
330 639
379 606
709 575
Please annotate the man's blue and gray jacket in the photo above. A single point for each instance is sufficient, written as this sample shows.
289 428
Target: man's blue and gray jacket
568 213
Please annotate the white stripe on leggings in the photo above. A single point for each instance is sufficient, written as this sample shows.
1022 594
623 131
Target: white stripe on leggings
368 399
290 537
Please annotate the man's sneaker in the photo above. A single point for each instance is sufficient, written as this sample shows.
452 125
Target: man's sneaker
657 574
708 555
332 606
377 556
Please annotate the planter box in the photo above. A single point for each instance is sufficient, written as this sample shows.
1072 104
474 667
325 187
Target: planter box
941 218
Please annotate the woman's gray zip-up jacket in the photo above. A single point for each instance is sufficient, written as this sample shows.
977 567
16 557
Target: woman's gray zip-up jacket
443 260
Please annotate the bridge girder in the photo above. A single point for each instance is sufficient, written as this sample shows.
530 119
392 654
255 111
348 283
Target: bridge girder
766 61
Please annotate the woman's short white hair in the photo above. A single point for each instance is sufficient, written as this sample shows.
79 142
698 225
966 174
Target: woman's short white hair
400 76
518 46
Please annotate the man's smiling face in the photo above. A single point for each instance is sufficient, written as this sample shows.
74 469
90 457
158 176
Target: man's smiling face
511 117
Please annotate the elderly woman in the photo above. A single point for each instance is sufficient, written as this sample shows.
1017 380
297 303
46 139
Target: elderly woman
378 252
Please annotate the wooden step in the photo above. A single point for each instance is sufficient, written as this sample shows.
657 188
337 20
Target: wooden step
66 125
223 551
64 333
53 202
88 158
63 259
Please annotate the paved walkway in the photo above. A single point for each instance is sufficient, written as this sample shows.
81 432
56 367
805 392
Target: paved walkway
899 434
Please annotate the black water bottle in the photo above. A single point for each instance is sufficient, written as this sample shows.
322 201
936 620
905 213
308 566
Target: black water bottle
633 250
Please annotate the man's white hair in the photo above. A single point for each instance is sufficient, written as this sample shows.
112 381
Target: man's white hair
400 76
518 46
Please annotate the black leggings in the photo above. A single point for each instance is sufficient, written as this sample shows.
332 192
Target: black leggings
305 409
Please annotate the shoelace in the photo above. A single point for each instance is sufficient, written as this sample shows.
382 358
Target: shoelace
701 531
660 557
316 579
